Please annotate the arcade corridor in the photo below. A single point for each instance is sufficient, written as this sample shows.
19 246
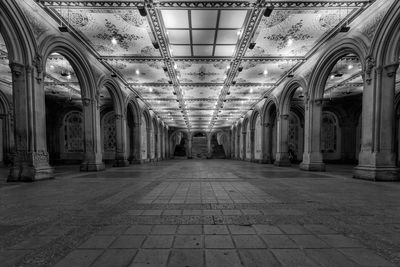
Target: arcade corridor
200 213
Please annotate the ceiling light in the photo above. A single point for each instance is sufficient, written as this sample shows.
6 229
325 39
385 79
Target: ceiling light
137 72
228 67
349 67
268 11
289 41
239 32
69 76
265 72
175 66
51 67
151 89
332 76
251 90
142 11
114 41
252 45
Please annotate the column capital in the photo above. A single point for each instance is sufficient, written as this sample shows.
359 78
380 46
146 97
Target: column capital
391 69
16 68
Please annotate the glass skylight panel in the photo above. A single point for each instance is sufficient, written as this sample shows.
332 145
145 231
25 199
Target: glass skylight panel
175 18
181 50
204 18
232 19
224 50
179 36
202 50
203 36
227 37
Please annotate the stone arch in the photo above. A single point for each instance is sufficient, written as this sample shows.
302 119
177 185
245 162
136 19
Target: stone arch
6 137
326 62
116 94
288 92
225 145
385 47
330 141
78 60
173 143
19 39
266 109
135 108
253 117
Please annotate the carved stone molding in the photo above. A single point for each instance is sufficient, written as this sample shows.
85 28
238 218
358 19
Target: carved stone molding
391 69
369 65
16 69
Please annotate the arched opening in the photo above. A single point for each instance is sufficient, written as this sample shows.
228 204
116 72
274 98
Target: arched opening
258 138
179 144
199 145
295 136
248 141
341 106
133 129
64 115
6 133
268 140
219 145
144 147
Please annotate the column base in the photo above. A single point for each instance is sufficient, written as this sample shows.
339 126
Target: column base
121 163
376 173
316 167
30 174
92 167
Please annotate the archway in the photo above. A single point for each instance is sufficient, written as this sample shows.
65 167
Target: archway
219 145
179 143
199 145
134 122
268 140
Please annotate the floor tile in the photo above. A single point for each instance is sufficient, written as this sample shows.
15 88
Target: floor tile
158 241
215 230
80 258
257 257
188 241
222 258
97 242
248 241
241 229
365 257
190 229
151 258
138 230
293 257
115 258
128 241
186 257
218 241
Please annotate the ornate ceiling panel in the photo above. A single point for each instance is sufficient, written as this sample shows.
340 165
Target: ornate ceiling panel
294 32
113 32
202 72
269 72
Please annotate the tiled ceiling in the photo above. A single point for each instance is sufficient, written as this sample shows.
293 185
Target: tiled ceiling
190 61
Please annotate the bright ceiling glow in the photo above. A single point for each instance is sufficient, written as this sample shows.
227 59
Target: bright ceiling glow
114 41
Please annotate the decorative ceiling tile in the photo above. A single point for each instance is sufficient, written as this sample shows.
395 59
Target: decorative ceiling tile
139 72
224 50
202 50
179 36
204 18
269 72
232 19
175 18
199 72
203 36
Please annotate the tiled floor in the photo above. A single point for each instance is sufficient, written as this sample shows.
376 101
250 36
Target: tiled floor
200 213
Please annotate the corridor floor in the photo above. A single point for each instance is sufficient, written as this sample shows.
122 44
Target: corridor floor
200 213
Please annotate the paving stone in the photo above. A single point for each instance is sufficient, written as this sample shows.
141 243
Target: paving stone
152 212
257 257
231 212
158 241
128 241
98 242
279 241
251 212
218 241
241 229
186 257
267 229
191 212
222 258
319 229
329 257
340 241
248 241
212 212
190 229
294 229
216 230
188 241
151 258
308 241
112 230
365 257
293 257
115 258
164 229
80 258
56 230
172 212
138 230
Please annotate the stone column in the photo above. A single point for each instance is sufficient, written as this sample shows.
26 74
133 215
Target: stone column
252 144
150 142
377 160
190 140
31 159
266 142
312 156
136 142
155 137
282 155
121 141
244 133
93 157
209 152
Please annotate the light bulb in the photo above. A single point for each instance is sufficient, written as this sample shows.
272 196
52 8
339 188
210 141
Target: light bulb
349 67
289 41
137 72
114 41
265 72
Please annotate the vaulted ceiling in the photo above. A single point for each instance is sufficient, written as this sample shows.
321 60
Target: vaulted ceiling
202 65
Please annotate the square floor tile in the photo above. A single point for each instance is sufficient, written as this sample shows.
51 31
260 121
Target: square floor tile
319 229
329 257
186 257
267 229
98 242
293 257
115 258
293 229
152 212
365 257
164 229
80 258
222 258
216 230
218 241
112 230
340 241
151 257
190 229
308 241
258 257
279 241
188 241
138 230
128 241
248 241
241 229
158 241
